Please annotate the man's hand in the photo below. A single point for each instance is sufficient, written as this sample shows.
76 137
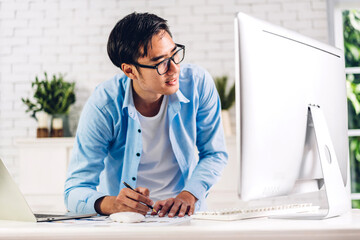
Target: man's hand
183 204
127 201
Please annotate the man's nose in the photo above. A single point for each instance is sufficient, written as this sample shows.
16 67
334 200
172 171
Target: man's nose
173 68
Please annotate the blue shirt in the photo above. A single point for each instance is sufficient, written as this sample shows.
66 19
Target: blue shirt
108 142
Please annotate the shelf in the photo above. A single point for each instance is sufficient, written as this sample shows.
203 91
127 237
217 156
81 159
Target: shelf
41 142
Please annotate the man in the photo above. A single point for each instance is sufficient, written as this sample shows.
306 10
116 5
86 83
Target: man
142 127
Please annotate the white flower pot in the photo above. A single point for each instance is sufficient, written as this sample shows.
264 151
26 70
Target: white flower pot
225 118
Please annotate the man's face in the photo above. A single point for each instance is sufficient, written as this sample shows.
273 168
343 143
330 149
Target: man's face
148 84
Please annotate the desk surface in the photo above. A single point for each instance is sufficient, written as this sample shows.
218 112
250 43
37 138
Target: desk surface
344 227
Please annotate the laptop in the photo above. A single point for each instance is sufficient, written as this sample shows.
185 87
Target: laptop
13 205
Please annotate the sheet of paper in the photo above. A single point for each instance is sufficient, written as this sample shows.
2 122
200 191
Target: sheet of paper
150 221
160 221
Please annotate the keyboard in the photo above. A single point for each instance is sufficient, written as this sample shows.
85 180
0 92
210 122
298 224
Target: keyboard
246 213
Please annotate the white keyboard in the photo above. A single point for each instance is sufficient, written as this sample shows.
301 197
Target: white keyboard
238 214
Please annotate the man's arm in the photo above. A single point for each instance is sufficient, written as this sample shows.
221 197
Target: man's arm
92 140
210 140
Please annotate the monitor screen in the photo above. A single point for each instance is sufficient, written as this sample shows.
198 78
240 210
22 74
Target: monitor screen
278 74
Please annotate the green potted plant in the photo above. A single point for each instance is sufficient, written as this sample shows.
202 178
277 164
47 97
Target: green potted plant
227 98
54 97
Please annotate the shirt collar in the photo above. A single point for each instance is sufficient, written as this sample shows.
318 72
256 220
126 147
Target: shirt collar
128 98
174 99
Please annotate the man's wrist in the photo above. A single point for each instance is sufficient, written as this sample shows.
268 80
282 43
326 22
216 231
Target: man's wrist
97 205
104 205
190 194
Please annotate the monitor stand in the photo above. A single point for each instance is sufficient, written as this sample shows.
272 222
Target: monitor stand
336 195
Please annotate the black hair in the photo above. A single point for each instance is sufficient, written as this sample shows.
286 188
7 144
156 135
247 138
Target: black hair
131 37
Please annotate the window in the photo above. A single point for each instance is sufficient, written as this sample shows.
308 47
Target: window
344 29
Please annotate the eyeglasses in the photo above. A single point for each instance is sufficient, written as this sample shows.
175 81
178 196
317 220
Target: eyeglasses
163 66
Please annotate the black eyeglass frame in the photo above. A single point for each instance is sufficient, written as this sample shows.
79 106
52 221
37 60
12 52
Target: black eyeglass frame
182 47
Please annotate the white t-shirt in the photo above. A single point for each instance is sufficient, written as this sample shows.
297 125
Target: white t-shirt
158 169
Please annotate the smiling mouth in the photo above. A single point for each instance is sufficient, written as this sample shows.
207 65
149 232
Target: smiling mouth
171 81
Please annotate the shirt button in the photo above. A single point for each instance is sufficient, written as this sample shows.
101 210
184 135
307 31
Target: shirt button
138 154
139 130
133 178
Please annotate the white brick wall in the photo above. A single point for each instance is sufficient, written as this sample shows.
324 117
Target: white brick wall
69 36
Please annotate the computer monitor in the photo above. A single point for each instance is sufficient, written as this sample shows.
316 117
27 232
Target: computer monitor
279 73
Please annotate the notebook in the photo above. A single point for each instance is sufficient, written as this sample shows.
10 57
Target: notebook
13 205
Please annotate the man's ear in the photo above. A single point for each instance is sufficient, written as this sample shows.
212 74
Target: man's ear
129 70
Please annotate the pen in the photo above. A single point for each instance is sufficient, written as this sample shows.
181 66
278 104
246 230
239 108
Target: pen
128 186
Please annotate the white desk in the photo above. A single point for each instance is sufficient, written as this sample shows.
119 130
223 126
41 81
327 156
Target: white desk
344 227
